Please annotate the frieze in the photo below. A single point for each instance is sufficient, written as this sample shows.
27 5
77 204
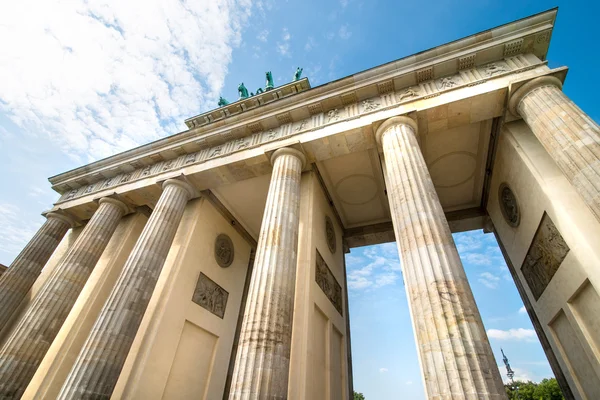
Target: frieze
210 296
423 90
328 284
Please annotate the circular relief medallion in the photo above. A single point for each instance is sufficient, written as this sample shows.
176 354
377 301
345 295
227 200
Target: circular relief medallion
330 234
509 205
223 250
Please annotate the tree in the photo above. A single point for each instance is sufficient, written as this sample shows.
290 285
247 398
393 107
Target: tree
548 389
359 396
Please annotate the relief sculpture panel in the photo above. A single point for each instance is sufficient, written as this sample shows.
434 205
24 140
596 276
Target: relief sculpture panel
210 295
547 251
328 284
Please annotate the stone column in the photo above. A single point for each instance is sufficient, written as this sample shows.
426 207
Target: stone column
570 136
263 356
18 279
25 348
101 359
455 355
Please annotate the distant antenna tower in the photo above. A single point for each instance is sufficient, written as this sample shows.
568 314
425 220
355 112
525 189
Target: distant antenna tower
510 373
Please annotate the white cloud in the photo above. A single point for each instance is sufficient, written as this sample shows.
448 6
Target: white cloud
520 374
16 231
310 43
522 310
383 370
104 76
379 267
344 3
283 46
344 33
513 334
476 258
263 35
466 242
489 280
408 383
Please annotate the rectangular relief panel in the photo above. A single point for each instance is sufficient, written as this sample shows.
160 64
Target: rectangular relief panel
586 308
328 283
193 363
547 251
337 365
319 352
209 295
581 369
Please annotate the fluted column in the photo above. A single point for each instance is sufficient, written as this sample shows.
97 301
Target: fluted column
570 136
25 348
101 359
18 279
455 355
263 357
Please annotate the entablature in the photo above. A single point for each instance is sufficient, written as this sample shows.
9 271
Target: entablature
492 54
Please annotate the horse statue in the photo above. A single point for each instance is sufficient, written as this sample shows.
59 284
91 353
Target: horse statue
243 92
222 102
298 73
269 85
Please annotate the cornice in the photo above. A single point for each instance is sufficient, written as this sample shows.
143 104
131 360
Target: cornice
466 58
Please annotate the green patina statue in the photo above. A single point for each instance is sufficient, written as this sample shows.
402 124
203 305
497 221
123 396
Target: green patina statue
298 73
269 85
243 92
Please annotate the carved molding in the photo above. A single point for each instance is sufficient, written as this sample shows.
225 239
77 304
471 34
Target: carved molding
318 119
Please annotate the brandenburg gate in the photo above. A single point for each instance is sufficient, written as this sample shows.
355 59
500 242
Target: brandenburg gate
210 264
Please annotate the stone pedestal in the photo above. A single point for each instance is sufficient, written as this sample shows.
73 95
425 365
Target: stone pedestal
456 358
18 279
25 348
570 136
101 359
263 357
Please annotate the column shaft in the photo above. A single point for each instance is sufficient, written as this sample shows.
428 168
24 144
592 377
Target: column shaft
25 348
570 136
101 359
456 358
18 279
262 362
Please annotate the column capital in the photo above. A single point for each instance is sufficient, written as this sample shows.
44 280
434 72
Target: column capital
65 218
124 207
400 120
519 94
182 184
289 151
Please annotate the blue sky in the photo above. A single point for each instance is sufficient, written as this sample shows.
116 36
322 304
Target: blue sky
83 80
